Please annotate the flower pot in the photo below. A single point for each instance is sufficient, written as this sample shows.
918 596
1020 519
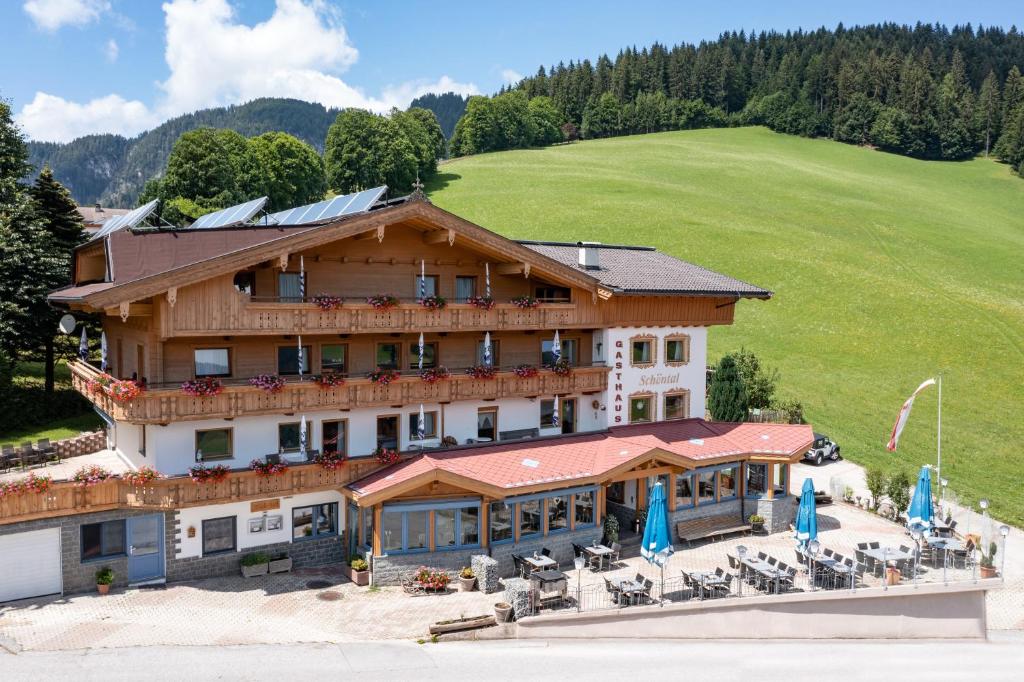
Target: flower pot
892 576
988 571
502 611
103 589
467 584
281 565
757 526
256 570
361 578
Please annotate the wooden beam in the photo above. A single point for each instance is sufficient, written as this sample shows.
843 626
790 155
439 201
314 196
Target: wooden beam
439 237
509 268
134 310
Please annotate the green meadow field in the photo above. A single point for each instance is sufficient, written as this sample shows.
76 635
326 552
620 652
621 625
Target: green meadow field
886 271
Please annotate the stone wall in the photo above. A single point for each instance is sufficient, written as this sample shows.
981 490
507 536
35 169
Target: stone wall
390 569
778 513
84 444
486 571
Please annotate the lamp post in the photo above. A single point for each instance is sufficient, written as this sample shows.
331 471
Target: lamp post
885 569
983 503
579 562
741 551
1004 530
916 534
812 551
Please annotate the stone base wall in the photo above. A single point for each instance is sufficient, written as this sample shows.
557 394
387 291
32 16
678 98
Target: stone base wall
777 513
729 508
84 444
486 571
390 569
308 553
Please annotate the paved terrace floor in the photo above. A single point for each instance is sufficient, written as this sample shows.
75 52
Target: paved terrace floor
285 609
65 470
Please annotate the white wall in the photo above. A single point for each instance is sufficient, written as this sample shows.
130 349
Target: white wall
658 378
193 517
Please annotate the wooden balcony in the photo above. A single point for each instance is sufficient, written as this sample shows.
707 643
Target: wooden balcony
65 498
163 405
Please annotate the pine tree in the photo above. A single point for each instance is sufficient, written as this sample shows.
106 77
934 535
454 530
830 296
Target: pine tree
57 212
987 113
727 399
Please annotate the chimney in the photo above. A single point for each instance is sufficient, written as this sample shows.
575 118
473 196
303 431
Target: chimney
590 255
99 209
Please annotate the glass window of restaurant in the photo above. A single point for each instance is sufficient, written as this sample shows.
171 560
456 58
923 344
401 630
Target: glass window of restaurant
757 480
501 521
457 527
583 508
677 405
429 425
288 359
705 487
404 531
727 483
558 513
780 480
529 518
318 521
684 490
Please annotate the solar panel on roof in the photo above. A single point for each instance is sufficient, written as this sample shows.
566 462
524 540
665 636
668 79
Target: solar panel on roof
131 219
336 207
231 215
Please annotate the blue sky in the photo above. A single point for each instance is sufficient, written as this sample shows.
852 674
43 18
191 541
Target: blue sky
73 67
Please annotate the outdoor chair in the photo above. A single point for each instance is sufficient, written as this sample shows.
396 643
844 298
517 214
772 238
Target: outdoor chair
772 561
273 459
47 449
801 560
904 548
734 563
577 550
828 552
874 545
519 566
616 551
29 457
724 589
762 556
645 592
544 551
788 581
862 545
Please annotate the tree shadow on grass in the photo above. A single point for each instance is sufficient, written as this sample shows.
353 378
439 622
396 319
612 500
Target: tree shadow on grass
441 181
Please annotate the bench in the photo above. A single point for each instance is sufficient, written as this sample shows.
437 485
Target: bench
710 527
518 434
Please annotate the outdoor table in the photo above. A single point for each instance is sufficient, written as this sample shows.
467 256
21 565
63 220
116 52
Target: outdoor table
879 554
706 579
835 566
599 551
540 562
764 568
550 581
945 545
628 587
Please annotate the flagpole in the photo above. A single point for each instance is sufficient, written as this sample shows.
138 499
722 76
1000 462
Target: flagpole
938 436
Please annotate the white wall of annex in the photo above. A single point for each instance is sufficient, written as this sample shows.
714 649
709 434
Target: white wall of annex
193 517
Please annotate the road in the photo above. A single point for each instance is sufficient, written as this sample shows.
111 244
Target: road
518 660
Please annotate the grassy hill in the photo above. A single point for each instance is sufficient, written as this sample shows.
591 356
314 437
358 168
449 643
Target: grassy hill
886 270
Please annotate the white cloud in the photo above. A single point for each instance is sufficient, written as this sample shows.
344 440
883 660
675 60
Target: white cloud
301 51
111 50
511 77
50 15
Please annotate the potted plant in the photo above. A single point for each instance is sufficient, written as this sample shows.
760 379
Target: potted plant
481 302
203 387
382 301
892 574
104 578
502 611
611 529
987 563
756 523
329 380
562 367
255 564
483 372
525 371
280 563
525 302
467 579
327 301
386 455
433 302
358 570
268 383
383 377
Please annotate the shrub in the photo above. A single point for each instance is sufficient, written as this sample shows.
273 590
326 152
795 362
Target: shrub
611 528
358 564
755 518
898 490
255 559
105 576
988 558
467 573
875 481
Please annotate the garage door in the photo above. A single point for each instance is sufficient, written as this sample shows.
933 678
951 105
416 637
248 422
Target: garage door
30 564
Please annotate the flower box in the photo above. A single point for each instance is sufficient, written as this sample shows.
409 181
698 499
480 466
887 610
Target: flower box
360 578
561 368
270 383
330 460
433 302
383 376
203 387
90 475
435 374
525 302
327 302
329 381
483 372
255 570
201 474
460 624
382 301
268 469
281 564
386 456
481 302
141 477
525 371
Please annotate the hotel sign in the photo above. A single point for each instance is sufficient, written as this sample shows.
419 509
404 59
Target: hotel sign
648 380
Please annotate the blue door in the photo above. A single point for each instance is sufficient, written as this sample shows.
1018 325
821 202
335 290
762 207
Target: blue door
145 548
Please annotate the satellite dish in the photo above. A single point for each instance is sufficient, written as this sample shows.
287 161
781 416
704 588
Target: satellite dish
67 324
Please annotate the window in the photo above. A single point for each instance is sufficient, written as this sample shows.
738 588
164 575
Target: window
389 355
677 405
641 352
677 350
404 531
431 285
552 294
558 513
705 487
684 490
727 483
495 353
213 444
245 282
487 425
318 521
219 535
583 508
529 518
387 432
334 437
566 414
429 354
779 480
569 349
333 357
212 362
101 540
640 409
429 424
288 437
457 527
416 534
288 359
501 521
465 288
289 287
367 528
757 480
547 413
391 531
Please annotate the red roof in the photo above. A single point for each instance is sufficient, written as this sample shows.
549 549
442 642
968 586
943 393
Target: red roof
563 460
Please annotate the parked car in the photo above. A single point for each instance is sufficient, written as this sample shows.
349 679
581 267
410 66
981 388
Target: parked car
823 448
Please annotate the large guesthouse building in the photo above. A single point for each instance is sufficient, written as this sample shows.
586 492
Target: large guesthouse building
391 381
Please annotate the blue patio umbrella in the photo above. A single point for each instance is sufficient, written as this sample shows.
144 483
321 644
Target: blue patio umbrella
807 514
921 510
657 544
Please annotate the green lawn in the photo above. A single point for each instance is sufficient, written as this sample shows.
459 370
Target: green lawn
886 270
55 430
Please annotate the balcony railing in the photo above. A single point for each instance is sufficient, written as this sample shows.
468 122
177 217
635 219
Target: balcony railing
65 497
162 404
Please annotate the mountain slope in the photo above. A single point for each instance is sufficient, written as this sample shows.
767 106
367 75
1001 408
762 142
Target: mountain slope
886 270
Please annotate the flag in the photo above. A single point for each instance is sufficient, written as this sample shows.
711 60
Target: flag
901 420
303 441
421 425
83 346
556 349
421 351
302 279
423 279
554 413
487 349
103 352
301 356
487 279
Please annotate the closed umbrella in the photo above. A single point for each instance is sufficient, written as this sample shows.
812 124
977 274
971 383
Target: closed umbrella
554 413
421 425
83 346
556 349
487 280
421 351
301 357
423 279
807 515
302 278
303 440
487 349
921 510
657 544
103 352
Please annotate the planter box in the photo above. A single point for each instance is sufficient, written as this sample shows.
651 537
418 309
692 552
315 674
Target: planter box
282 565
254 571
460 624
361 578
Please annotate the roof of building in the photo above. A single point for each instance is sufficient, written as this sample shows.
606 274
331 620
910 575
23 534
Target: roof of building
95 215
564 460
645 270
